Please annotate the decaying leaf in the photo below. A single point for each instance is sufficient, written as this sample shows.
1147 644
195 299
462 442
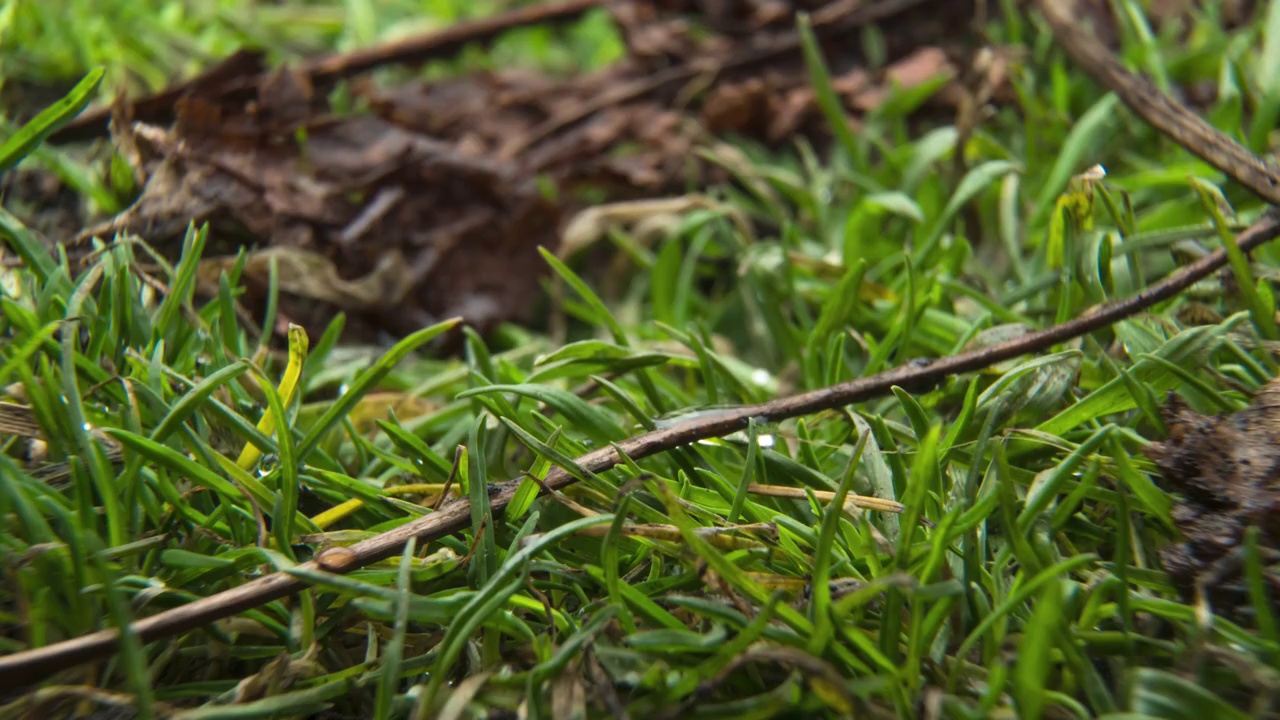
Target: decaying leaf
278 676
647 220
1226 471
313 276
434 204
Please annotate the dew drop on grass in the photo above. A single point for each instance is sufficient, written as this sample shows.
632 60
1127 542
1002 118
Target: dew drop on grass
268 463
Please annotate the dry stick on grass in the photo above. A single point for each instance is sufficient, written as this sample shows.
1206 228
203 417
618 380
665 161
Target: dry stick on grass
33 665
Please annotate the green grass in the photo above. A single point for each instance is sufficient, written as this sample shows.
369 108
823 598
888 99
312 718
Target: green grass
1022 579
143 46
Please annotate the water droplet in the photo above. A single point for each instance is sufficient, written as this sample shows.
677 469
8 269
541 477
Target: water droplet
268 464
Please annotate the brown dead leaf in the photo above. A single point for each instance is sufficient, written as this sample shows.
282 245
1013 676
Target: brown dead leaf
1226 470
434 205
313 276
917 68
360 215
279 675
569 692
648 221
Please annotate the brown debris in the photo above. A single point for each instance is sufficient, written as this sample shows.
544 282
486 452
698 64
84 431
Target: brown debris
329 201
1226 468
18 423
434 205
45 203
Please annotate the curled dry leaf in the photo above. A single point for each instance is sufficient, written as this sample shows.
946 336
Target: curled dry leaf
647 220
311 275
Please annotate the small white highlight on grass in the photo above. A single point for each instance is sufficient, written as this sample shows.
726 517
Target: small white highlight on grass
267 463
760 377
766 441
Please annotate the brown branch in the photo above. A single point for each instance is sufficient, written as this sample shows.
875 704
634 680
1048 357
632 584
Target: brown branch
1157 109
33 665
241 72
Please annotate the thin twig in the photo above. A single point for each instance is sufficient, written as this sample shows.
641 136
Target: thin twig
33 665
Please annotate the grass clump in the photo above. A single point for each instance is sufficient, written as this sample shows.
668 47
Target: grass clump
1021 578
